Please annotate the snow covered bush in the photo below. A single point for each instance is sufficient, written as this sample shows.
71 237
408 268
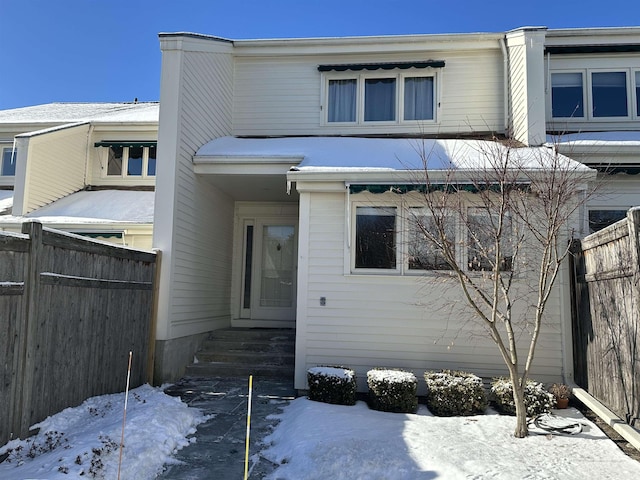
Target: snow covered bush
451 393
332 384
536 398
392 390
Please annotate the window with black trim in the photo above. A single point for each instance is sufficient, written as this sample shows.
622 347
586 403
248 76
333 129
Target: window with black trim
601 218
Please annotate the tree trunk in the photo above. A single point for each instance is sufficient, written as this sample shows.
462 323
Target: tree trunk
522 429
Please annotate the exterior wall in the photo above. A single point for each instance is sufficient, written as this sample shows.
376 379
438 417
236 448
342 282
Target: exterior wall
50 166
411 322
193 220
284 95
526 77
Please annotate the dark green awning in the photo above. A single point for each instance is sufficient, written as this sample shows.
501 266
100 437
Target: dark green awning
100 234
423 188
129 143
342 67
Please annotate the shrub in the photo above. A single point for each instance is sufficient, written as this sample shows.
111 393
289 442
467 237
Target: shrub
536 398
451 393
332 384
392 390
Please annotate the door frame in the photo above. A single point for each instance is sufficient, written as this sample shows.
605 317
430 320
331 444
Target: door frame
249 214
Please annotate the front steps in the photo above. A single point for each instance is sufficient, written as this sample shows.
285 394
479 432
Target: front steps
240 352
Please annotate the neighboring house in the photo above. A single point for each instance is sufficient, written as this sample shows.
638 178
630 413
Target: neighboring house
87 168
592 93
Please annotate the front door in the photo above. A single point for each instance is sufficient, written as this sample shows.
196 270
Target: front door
269 286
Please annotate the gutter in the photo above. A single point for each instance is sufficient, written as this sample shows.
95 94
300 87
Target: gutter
627 432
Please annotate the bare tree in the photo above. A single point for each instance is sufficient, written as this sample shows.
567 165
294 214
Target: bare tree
514 209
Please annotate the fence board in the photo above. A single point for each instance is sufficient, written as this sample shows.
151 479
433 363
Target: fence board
606 320
71 310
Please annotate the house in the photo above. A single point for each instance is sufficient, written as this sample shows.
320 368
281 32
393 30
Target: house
277 152
86 168
592 98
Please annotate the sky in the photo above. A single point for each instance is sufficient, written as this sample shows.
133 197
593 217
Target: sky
108 50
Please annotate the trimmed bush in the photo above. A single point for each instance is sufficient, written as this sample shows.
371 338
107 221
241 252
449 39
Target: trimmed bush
392 390
451 393
536 398
332 384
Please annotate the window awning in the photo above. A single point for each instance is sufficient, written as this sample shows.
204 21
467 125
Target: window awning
100 234
342 67
421 187
126 143
573 49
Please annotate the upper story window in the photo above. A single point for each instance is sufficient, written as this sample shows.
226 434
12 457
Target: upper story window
130 159
380 92
8 167
595 94
367 99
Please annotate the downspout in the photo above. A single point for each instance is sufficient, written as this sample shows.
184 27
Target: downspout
506 91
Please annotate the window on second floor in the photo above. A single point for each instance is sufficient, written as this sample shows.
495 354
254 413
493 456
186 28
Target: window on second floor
367 98
595 94
8 167
131 161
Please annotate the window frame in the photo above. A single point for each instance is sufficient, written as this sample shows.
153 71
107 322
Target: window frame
14 152
632 85
124 169
399 110
403 236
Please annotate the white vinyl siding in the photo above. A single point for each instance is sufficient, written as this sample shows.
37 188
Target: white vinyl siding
200 233
412 322
286 96
56 167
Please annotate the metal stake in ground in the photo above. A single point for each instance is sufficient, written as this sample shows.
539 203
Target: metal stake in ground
246 455
124 416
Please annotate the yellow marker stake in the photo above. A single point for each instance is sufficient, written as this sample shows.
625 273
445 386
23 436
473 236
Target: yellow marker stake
246 456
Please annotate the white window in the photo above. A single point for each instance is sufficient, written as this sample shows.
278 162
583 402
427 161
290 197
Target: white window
406 240
391 98
8 167
131 161
375 238
424 243
595 94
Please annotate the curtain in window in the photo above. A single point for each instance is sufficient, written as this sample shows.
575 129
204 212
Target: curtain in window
418 98
342 100
380 99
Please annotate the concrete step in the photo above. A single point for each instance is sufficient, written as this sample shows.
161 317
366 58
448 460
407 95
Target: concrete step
246 351
224 369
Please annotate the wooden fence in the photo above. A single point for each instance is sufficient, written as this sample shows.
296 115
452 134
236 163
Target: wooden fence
606 319
71 310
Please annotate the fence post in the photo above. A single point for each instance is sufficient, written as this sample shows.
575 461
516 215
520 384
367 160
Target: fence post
151 356
633 223
30 314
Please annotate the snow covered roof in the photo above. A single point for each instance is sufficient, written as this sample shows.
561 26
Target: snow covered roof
613 138
76 112
6 201
335 154
91 207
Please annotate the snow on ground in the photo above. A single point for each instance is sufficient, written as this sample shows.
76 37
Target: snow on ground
321 441
83 442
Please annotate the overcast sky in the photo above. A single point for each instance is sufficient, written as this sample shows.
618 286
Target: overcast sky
108 50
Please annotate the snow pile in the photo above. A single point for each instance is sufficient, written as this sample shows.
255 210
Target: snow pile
342 373
320 441
83 442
